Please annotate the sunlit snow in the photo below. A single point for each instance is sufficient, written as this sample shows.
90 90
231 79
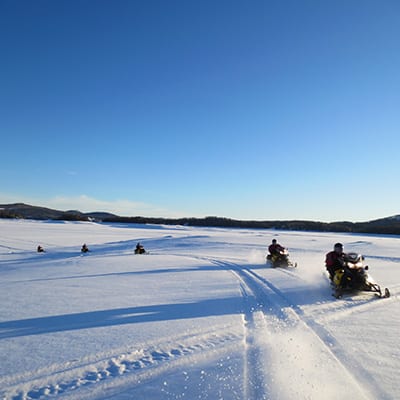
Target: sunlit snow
200 316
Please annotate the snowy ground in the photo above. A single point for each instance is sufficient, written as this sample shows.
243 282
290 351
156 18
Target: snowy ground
200 317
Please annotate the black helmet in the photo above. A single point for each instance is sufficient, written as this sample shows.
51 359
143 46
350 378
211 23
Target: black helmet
274 241
338 245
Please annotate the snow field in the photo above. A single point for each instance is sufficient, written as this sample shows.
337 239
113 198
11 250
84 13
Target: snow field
200 316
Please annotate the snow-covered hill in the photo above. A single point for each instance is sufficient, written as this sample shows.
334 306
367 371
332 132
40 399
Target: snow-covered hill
199 317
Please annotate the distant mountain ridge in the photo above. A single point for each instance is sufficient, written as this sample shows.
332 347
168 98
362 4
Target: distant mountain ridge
387 225
26 211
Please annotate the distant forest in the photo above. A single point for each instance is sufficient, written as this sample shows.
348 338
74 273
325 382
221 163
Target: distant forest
388 225
379 226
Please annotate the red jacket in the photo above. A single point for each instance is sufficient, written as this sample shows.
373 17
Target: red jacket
334 260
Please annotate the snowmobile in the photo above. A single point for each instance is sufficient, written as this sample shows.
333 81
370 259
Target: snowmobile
139 249
280 260
353 277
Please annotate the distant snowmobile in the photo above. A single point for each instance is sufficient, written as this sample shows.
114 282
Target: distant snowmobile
280 260
353 277
139 249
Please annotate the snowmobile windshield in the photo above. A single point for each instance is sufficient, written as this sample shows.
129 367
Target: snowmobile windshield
353 257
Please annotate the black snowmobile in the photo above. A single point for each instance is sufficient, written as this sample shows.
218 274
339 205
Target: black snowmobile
280 260
353 277
139 249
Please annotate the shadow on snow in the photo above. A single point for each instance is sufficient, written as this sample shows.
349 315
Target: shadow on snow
121 316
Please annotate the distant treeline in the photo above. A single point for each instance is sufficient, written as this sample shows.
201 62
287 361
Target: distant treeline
390 225
384 226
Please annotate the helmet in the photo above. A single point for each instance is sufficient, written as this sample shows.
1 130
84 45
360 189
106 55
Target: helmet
338 246
273 241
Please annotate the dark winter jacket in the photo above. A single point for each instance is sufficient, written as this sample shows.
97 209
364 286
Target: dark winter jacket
275 248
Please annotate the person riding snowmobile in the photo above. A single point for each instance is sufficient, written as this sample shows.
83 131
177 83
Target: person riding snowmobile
278 256
139 249
334 260
275 249
348 273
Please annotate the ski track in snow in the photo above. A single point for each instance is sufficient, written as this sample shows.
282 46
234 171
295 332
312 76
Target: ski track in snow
267 311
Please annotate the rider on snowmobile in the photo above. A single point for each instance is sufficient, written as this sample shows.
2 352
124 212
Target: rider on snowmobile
347 272
334 260
275 249
139 249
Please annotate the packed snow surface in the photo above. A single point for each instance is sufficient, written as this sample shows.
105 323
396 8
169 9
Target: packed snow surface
201 316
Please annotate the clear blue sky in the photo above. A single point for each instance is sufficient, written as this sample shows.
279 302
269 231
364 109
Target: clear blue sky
243 109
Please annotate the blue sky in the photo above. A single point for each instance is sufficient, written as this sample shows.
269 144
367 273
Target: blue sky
243 109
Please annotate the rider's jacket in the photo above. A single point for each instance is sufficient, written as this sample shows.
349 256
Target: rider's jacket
334 260
275 248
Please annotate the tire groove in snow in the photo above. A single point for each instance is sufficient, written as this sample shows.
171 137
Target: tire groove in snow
253 381
351 365
139 362
285 322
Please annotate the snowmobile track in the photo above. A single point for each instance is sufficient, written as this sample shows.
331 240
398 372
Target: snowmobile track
128 367
280 312
267 311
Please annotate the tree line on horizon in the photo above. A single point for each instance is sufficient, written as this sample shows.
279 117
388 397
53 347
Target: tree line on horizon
389 225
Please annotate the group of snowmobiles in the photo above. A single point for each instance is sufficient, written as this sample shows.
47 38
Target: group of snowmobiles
349 277
139 249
